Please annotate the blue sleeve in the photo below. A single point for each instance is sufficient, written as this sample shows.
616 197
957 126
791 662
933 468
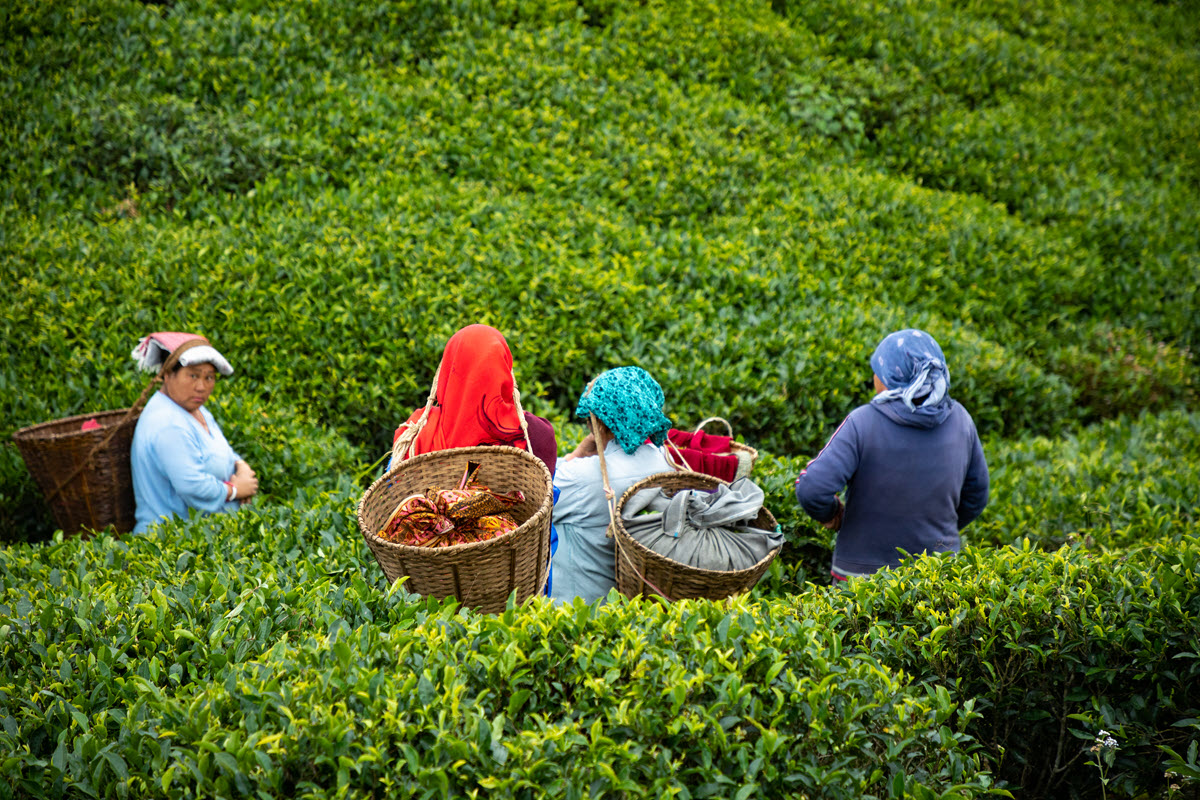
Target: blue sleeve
829 472
974 495
181 460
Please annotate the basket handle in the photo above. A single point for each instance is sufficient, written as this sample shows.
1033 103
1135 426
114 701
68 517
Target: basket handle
170 362
722 420
403 446
675 459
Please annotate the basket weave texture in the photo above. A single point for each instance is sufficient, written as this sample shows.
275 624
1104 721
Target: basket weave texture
98 496
480 575
670 578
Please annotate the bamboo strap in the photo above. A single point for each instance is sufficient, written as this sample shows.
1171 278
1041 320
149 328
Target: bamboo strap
611 497
638 572
171 361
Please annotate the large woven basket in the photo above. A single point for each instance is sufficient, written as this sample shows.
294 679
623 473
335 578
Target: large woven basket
480 575
101 493
640 570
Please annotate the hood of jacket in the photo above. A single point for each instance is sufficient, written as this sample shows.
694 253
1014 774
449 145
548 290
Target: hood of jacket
897 412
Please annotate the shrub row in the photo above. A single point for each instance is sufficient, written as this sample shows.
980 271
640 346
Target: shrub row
262 653
1054 648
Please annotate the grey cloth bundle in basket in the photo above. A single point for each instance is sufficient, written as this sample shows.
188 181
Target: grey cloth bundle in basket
710 530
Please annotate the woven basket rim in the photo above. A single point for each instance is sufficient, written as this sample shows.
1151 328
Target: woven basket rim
742 446
31 432
650 482
458 452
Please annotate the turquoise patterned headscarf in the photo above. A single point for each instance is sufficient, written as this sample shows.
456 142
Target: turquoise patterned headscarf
629 402
911 365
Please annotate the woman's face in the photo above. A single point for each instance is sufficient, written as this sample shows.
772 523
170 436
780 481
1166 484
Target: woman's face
191 386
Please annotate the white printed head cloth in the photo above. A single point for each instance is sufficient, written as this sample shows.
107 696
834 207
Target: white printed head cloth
152 351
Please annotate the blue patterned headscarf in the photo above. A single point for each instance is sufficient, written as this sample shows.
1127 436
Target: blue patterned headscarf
629 402
911 365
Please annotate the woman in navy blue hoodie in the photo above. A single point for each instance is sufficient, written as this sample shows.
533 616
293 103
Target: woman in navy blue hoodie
910 460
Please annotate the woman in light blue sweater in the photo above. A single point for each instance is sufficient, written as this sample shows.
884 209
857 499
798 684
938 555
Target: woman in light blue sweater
628 404
180 459
910 460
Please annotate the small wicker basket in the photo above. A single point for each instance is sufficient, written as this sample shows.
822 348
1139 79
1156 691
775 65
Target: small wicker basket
744 453
640 570
95 492
483 574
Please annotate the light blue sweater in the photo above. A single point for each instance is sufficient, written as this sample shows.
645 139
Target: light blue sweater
178 465
584 563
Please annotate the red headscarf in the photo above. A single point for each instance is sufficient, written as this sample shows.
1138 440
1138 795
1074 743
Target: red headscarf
475 403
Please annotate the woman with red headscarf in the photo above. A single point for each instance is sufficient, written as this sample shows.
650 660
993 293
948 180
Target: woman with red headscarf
475 403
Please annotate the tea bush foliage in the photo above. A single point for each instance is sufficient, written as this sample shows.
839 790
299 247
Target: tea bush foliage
741 197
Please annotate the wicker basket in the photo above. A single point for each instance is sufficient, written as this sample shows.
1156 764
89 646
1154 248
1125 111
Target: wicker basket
483 574
100 493
745 454
640 570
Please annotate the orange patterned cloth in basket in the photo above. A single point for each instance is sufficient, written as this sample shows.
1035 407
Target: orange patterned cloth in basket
444 517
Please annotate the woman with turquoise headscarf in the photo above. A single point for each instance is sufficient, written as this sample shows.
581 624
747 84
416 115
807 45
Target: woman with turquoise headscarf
627 404
910 460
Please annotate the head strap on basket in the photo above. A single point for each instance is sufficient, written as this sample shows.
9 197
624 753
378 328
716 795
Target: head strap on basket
178 352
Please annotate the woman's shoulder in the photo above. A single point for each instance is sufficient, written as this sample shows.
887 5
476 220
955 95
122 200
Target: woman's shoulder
575 472
541 424
647 459
160 418
161 411
959 412
542 440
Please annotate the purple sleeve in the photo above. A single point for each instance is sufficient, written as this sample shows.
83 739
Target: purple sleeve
541 436
974 496
828 473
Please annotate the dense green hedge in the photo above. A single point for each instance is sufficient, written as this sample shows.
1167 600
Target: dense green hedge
263 652
1054 648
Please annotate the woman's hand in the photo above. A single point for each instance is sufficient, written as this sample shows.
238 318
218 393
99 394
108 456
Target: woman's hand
244 481
585 448
835 524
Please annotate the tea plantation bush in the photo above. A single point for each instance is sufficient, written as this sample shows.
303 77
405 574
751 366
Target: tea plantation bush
741 197
1055 647
263 652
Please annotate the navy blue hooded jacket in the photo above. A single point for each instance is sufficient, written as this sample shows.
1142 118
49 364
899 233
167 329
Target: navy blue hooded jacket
913 481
